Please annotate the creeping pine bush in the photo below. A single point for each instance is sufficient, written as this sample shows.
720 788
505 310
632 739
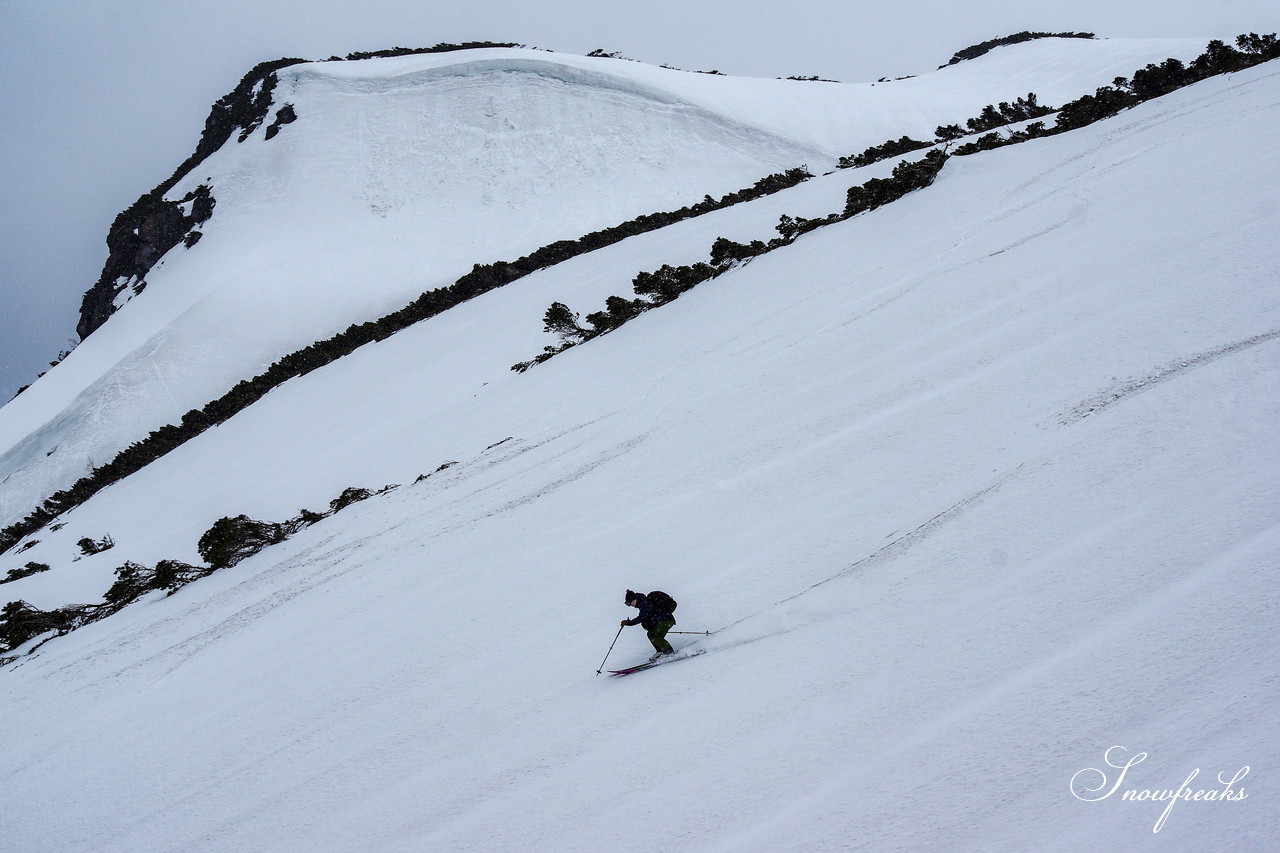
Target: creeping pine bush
876 153
976 50
231 540
172 574
88 546
991 117
906 177
350 495
20 622
25 572
563 323
132 581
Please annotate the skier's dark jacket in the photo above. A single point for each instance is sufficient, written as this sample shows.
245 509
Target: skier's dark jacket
649 615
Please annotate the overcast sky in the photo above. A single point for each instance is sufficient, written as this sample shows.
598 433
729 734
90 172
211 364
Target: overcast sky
101 101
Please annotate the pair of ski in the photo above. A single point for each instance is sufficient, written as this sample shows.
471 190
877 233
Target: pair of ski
659 662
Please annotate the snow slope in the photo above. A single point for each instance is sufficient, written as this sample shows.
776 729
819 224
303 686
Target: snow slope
972 487
401 173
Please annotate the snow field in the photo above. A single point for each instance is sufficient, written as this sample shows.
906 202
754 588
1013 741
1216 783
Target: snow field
943 590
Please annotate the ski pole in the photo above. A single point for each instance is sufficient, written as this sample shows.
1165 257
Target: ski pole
611 645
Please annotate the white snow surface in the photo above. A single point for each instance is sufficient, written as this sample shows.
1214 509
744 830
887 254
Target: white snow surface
972 489
401 173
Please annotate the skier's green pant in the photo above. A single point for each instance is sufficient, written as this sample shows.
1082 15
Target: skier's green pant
658 636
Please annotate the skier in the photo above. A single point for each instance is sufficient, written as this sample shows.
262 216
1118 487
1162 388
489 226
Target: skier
655 617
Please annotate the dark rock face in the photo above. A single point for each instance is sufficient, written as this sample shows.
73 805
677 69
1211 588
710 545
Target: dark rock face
151 226
139 238
284 115
158 233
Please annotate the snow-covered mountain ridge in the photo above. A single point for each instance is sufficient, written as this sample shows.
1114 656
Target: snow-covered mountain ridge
419 167
945 474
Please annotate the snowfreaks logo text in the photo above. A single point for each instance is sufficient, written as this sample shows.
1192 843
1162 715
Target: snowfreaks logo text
1083 785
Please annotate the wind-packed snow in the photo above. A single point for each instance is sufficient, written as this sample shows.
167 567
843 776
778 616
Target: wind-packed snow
400 174
972 488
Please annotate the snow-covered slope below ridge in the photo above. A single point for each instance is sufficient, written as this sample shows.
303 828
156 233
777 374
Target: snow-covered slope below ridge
400 174
977 485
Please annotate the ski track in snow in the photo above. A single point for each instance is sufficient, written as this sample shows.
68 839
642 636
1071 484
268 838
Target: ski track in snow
331 567
1121 391
900 544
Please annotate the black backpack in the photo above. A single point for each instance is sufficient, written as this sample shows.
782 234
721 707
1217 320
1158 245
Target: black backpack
662 602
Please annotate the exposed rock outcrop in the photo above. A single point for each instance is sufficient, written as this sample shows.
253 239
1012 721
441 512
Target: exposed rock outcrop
152 225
